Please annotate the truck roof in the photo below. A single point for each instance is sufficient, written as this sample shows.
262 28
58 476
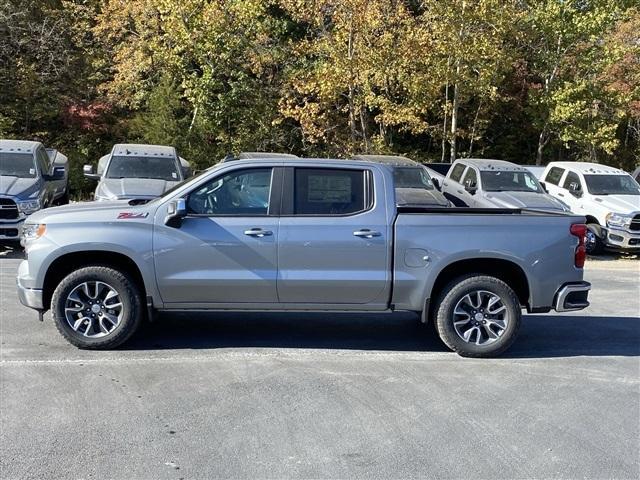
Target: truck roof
247 155
142 150
588 168
20 146
393 160
488 164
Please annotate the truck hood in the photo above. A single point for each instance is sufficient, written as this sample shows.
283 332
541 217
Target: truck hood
420 196
88 211
134 187
619 203
22 188
533 200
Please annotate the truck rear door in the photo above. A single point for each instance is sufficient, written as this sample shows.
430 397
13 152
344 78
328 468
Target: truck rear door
334 244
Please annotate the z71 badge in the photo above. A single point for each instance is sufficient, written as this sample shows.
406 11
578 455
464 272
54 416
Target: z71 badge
130 215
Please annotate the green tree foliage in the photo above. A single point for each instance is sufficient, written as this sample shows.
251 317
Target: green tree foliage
435 79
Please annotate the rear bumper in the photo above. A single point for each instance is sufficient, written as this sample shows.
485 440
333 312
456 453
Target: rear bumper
571 297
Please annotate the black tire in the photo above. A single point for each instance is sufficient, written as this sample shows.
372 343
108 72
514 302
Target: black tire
132 312
594 243
455 292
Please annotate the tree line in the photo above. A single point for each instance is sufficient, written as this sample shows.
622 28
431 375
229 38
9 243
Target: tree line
530 81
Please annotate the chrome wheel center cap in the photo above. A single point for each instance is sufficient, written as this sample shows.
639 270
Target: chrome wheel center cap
95 308
478 317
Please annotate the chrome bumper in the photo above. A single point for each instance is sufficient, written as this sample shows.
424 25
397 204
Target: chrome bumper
30 297
572 296
622 239
6 228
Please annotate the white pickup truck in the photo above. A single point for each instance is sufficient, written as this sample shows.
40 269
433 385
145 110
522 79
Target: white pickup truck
608 197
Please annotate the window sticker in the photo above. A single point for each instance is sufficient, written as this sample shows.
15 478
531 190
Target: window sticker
329 189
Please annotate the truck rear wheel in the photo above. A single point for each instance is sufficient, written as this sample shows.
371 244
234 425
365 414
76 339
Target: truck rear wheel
478 316
594 242
97 308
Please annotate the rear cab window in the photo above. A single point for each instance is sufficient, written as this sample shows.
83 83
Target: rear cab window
326 191
456 173
554 175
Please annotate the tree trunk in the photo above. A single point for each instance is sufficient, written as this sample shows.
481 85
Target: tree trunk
446 114
543 139
454 120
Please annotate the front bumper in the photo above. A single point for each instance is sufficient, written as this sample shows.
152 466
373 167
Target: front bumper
571 297
11 230
620 239
30 297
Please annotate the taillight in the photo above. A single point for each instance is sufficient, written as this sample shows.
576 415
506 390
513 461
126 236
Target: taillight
579 230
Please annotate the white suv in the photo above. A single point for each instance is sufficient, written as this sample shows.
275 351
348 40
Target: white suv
608 197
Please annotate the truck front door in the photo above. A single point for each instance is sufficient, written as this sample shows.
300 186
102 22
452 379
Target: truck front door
335 240
225 251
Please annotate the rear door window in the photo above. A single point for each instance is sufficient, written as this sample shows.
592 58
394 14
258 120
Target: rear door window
554 175
456 173
324 191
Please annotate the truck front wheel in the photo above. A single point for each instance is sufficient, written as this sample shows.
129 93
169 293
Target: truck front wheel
97 308
478 316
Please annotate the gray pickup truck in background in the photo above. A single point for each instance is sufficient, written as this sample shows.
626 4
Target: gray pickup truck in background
31 178
484 183
137 171
300 235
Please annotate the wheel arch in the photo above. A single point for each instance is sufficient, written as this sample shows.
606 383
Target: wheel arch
506 270
69 262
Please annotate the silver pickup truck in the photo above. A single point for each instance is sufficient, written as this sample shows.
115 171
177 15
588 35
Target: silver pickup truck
300 235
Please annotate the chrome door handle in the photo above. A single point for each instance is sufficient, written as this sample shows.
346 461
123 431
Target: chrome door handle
459 191
366 233
258 232
560 194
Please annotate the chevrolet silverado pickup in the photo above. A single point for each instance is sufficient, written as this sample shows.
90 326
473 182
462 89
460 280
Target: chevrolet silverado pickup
299 235
31 178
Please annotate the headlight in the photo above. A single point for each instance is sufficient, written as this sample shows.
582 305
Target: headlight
33 231
618 220
29 206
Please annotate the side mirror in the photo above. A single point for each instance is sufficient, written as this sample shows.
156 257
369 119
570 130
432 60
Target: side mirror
176 211
436 182
57 173
574 189
544 187
470 187
87 170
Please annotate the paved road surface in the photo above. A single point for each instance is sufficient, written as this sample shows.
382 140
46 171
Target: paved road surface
308 396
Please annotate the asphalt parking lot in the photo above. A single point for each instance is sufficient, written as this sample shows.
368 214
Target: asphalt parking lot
331 396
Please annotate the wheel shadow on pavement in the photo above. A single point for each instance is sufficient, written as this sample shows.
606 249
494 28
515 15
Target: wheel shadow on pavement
541 336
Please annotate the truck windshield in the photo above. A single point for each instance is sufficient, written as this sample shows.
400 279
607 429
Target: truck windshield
612 185
160 168
504 181
17 165
412 177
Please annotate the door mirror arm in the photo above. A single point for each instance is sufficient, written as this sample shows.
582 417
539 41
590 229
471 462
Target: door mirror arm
176 211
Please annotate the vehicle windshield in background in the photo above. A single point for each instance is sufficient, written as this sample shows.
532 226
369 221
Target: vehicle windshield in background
160 168
17 165
612 185
412 177
505 181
